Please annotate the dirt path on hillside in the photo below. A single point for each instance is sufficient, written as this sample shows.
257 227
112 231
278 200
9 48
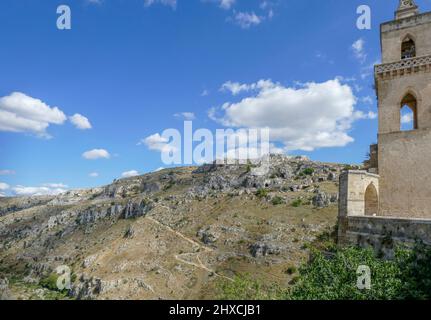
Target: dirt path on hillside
199 264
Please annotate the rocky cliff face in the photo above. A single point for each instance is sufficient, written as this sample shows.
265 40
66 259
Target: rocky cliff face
170 234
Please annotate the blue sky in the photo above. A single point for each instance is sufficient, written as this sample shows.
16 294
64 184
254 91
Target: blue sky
132 68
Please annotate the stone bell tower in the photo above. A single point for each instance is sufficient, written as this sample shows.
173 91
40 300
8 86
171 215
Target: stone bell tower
407 8
404 80
392 198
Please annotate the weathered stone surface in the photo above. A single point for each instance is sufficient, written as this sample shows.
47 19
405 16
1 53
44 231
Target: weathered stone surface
262 249
129 233
375 231
10 205
86 288
332 176
89 261
321 200
4 289
208 235
137 209
150 187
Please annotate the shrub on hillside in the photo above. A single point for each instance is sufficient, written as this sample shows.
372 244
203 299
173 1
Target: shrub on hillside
296 203
262 193
50 282
308 171
277 201
333 276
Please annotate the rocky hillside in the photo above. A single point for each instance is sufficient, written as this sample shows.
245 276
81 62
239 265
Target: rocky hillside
172 234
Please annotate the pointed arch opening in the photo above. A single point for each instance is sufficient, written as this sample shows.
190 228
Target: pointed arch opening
408 113
371 201
408 48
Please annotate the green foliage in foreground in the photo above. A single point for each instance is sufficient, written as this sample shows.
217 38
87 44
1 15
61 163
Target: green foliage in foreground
333 277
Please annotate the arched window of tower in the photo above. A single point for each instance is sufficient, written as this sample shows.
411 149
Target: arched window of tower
408 113
408 48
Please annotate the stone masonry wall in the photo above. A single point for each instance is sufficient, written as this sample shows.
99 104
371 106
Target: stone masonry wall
383 233
405 175
353 185
391 93
393 33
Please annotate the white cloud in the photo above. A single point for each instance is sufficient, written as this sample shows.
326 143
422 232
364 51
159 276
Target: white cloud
129 174
360 115
265 4
4 186
188 116
250 152
367 99
96 154
368 70
345 79
95 1
358 48
271 14
236 88
171 3
357 87
93 175
247 19
205 93
226 4
157 143
22 113
6 172
313 116
407 118
159 169
80 122
2 195
243 148
37 191
55 185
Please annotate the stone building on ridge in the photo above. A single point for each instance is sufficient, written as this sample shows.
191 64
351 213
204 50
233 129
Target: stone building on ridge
392 198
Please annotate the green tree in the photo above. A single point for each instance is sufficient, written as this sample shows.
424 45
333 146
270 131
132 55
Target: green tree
332 275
